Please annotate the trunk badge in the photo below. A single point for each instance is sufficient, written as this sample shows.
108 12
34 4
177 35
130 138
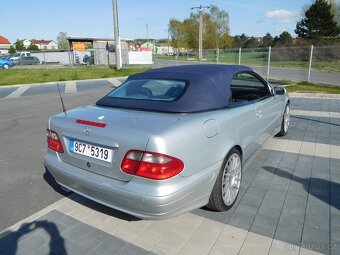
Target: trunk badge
87 130
101 117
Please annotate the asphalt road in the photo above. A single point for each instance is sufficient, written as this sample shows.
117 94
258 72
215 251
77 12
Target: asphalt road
25 188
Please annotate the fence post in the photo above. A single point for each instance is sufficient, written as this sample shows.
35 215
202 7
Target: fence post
310 62
268 66
239 56
217 55
44 60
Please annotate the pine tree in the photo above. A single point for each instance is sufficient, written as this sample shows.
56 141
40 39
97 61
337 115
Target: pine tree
318 22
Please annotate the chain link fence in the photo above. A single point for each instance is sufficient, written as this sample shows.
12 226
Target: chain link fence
307 63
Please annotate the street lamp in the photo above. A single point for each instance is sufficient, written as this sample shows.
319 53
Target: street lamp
200 34
147 28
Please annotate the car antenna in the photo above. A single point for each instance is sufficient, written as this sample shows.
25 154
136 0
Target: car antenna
61 99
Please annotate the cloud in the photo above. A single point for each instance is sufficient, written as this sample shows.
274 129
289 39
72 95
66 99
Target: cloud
280 14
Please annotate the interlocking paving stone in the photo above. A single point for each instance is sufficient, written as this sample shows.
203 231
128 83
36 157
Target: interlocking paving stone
44 89
290 192
45 235
6 91
86 85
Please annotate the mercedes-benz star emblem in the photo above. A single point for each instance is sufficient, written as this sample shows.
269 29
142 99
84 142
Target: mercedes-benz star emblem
87 131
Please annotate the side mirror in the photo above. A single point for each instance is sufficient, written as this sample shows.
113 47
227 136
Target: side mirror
279 90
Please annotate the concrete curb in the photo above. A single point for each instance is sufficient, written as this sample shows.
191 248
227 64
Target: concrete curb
315 95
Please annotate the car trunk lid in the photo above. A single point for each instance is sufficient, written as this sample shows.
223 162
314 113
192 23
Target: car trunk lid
118 130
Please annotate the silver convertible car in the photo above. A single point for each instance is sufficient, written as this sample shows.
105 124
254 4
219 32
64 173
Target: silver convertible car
168 140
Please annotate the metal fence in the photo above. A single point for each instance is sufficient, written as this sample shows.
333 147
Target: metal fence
309 63
99 56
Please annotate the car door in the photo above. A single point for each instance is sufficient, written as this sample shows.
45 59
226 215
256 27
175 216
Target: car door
254 89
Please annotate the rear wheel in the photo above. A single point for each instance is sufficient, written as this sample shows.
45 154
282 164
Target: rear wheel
285 121
6 66
228 183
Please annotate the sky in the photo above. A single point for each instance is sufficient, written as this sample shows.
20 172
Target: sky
44 19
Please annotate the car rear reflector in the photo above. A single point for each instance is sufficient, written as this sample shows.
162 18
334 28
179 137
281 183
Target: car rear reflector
53 141
91 123
151 165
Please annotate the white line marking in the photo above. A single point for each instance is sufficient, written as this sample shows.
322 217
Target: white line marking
114 82
307 148
70 87
18 92
36 215
315 113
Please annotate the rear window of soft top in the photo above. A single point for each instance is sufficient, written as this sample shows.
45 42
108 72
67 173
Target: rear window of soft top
150 89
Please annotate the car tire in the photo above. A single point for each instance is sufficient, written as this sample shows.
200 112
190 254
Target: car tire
228 183
285 121
5 66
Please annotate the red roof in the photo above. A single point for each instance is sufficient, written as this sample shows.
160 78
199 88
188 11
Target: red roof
33 41
4 40
40 41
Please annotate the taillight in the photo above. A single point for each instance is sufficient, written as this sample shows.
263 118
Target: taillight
151 165
53 141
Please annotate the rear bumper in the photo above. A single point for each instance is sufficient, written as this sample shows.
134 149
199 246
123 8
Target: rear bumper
143 198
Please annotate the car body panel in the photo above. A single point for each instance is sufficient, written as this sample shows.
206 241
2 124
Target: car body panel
122 133
4 62
200 139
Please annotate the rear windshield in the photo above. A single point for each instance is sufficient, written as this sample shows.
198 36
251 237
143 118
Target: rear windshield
150 89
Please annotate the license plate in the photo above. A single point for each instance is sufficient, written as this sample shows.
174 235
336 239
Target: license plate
91 150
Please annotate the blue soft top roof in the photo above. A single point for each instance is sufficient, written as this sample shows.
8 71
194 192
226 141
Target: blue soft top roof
208 88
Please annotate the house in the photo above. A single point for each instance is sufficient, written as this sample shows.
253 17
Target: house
42 44
4 45
148 46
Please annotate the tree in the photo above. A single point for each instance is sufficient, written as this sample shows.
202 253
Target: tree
251 43
62 41
215 30
11 50
318 22
267 40
33 47
19 45
240 41
284 39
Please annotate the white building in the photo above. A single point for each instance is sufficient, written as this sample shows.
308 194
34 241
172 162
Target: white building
42 44
4 45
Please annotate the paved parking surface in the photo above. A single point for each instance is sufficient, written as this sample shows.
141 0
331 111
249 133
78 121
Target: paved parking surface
289 204
51 88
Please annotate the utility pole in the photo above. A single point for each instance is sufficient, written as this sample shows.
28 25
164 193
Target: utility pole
200 34
116 34
147 28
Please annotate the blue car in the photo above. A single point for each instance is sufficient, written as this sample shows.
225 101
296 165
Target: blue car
6 63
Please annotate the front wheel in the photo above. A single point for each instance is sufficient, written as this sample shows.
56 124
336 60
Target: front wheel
285 121
6 66
228 183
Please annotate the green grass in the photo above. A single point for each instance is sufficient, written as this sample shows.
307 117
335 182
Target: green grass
305 87
29 76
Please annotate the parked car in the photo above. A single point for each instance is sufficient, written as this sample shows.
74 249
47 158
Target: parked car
27 61
20 54
6 63
168 140
88 60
